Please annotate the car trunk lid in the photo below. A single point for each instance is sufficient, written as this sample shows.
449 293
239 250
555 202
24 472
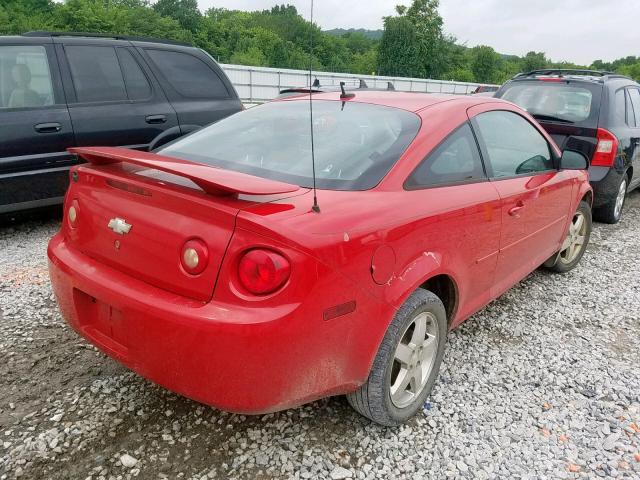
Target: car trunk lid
136 210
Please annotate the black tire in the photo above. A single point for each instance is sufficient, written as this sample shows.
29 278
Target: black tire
557 262
373 399
607 212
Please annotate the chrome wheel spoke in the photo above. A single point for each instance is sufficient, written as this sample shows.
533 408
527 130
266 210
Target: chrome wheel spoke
420 330
403 354
416 381
401 383
578 224
428 349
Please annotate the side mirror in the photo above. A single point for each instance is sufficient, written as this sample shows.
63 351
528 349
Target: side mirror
573 160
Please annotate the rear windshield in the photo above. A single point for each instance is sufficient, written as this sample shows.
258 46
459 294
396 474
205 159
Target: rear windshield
555 101
355 144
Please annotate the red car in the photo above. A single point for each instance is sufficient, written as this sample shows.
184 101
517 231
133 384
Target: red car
205 268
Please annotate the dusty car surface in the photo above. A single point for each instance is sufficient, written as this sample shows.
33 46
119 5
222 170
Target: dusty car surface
204 267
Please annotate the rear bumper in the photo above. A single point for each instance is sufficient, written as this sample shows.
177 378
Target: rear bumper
605 182
248 360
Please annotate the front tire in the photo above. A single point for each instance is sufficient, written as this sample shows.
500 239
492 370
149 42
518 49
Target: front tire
407 363
575 244
612 212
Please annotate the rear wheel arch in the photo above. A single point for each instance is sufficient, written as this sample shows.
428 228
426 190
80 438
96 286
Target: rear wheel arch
446 289
588 198
629 174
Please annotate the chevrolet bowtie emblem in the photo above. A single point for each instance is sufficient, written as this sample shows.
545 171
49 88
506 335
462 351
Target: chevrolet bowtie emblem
119 226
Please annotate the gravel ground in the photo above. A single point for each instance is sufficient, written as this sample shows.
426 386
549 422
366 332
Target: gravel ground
543 383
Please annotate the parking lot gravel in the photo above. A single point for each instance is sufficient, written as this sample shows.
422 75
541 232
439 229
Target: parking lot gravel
542 383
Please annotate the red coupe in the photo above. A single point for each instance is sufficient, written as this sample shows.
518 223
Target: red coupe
205 267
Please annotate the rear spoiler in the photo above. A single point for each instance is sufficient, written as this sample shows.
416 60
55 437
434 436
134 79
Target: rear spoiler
215 181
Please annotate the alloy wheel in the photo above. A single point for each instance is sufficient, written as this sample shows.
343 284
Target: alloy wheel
622 192
414 359
575 241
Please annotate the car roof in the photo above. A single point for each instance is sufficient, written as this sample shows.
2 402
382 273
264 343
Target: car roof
97 38
573 75
410 101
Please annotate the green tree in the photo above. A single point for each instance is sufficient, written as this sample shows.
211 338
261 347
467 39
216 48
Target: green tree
632 71
397 54
430 41
534 61
184 11
412 42
485 64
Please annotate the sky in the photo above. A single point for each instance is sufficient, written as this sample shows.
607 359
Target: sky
578 31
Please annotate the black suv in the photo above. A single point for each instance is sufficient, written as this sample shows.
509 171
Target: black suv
59 90
597 113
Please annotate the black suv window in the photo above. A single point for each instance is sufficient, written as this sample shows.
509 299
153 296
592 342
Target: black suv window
96 73
620 107
634 95
456 160
138 87
513 145
562 102
188 75
25 79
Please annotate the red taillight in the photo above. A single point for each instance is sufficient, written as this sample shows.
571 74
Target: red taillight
606 150
263 271
194 256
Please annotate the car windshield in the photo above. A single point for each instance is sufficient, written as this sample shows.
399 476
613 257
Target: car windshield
355 144
552 101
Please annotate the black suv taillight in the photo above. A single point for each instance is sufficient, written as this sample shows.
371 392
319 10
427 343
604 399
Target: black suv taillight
606 150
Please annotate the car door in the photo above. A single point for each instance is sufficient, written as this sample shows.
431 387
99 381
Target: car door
462 215
197 87
536 197
113 101
35 127
633 122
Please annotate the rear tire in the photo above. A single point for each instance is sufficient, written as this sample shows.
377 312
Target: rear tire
411 351
576 242
612 212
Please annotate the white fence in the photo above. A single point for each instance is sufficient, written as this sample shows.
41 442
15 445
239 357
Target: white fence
261 84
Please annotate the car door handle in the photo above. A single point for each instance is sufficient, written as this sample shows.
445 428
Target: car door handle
47 127
155 119
515 211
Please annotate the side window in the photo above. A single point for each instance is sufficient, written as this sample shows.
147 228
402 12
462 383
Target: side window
138 87
620 107
634 93
96 73
25 79
456 160
188 75
514 146
630 119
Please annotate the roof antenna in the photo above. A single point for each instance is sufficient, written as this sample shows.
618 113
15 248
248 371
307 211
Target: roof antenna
344 95
315 207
